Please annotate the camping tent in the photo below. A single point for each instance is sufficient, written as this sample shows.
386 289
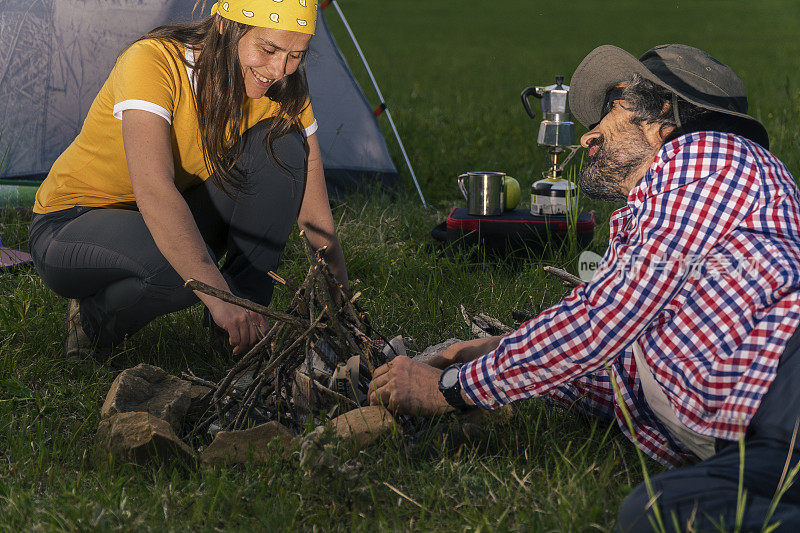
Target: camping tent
55 55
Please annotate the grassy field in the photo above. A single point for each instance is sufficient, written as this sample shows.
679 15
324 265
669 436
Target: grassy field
451 73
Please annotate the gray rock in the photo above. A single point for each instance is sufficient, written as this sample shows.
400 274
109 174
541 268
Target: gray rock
395 348
315 367
149 389
432 351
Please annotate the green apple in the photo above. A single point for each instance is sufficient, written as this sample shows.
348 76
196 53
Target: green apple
512 193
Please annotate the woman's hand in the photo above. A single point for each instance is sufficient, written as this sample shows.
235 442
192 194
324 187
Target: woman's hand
245 328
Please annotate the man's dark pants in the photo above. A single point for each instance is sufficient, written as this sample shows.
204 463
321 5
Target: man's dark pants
705 494
108 259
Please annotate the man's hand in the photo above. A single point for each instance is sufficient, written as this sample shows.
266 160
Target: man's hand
405 386
464 352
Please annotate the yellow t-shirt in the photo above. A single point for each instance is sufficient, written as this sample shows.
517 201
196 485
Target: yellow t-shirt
151 76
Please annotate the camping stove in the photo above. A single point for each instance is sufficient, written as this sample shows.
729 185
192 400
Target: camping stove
553 195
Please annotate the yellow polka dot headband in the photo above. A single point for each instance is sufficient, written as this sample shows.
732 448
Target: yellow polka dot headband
292 15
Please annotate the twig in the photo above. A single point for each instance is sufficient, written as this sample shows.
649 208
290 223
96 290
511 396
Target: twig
332 395
248 360
307 248
275 362
251 395
276 277
563 275
225 296
189 376
409 498
330 306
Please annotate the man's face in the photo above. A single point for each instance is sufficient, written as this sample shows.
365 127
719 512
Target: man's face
619 153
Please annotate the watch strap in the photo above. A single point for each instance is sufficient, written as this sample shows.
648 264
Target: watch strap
452 394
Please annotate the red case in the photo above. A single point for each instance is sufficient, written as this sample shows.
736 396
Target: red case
516 229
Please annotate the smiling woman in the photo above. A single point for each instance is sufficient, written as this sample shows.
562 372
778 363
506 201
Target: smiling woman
200 143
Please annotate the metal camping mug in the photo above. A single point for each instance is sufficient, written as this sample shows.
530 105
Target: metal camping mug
484 192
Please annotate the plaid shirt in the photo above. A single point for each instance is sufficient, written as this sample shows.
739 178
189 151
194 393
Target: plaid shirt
702 270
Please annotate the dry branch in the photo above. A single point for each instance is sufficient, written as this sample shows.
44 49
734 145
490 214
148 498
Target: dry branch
563 275
225 296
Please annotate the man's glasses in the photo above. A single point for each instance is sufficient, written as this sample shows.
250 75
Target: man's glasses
613 95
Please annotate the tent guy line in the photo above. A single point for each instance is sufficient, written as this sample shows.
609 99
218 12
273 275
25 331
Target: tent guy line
383 106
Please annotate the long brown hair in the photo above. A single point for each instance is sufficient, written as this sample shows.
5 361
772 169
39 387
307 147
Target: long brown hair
221 92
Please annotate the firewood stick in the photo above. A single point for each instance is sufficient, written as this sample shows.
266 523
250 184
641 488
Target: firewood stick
363 352
343 293
247 404
251 391
189 376
317 258
276 277
330 306
225 296
301 296
208 421
563 275
278 359
282 281
307 248
248 359
325 391
214 405
380 357
377 357
343 297
310 307
244 398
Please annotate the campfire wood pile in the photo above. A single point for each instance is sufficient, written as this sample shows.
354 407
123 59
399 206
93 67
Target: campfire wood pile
299 364
313 365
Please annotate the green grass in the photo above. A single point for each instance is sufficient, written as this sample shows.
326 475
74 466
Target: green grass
451 73
569 468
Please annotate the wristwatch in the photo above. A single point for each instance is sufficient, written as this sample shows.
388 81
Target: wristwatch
450 387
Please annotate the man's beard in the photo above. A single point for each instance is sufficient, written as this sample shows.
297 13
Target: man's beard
609 168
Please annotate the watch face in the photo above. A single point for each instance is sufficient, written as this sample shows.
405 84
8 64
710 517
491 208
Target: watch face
450 377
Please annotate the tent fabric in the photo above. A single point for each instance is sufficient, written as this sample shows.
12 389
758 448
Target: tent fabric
55 55
351 140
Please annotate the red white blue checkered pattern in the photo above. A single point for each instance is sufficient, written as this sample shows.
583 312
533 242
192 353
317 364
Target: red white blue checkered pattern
702 270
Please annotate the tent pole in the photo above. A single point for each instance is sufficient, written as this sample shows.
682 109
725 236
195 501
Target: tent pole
377 90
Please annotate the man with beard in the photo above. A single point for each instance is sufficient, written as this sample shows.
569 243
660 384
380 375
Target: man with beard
689 322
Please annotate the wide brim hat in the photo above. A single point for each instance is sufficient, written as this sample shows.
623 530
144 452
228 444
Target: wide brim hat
691 74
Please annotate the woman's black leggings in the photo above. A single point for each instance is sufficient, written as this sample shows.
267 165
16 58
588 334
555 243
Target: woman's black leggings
107 258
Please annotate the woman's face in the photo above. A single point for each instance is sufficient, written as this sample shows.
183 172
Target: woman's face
267 55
